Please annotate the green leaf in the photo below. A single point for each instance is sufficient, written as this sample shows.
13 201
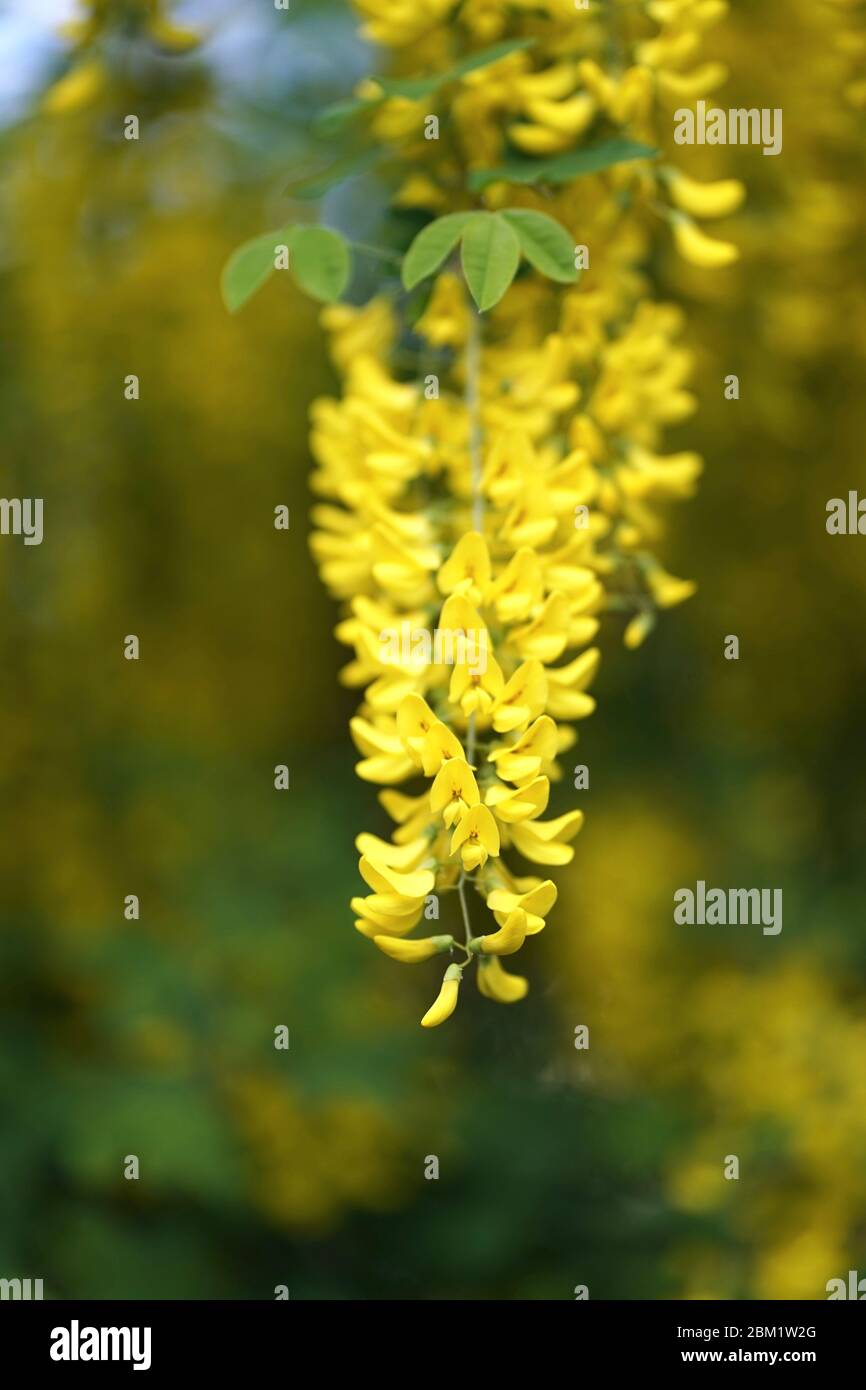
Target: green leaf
486 56
416 87
248 267
431 246
490 255
545 243
320 262
334 117
314 185
413 88
592 159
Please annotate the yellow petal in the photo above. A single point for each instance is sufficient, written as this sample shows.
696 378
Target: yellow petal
535 902
522 759
543 842
518 587
403 857
476 836
415 718
545 637
467 569
520 804
459 616
383 879
454 784
522 699
509 938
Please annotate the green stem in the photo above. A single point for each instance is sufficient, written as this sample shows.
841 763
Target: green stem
473 408
464 908
473 375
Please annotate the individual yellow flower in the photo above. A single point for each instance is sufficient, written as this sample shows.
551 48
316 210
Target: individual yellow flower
476 691
519 587
546 636
476 835
567 697
718 199
522 699
546 842
389 913
699 249
515 804
413 952
668 590
535 902
467 570
385 757
508 939
554 124
429 741
496 983
446 1001
454 791
524 758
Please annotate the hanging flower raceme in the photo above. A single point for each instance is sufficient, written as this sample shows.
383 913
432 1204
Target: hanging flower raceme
491 482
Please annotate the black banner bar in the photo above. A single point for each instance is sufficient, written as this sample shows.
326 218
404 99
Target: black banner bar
155 1338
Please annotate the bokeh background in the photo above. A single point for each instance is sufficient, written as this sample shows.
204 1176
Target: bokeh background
306 1168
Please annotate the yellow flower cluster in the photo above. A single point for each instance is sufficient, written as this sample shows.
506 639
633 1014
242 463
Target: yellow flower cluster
613 69
478 518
